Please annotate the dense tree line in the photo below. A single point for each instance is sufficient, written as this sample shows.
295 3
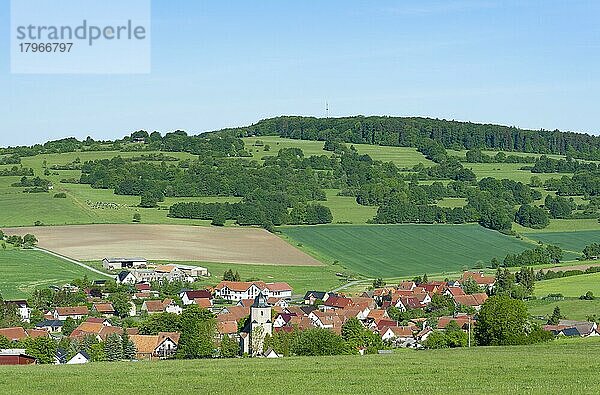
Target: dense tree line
551 274
541 255
16 171
259 212
10 160
548 165
412 131
582 183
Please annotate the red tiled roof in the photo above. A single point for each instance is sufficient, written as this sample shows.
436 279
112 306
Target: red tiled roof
203 302
104 308
337 301
77 310
13 334
462 321
479 278
398 331
202 293
456 291
471 300
227 327
406 285
279 287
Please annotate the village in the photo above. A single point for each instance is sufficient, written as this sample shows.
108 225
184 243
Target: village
133 315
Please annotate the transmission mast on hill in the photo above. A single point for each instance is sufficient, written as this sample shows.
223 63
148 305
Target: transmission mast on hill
326 109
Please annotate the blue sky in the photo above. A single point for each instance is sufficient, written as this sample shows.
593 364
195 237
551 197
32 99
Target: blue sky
533 64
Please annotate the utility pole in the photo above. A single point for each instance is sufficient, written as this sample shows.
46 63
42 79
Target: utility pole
469 330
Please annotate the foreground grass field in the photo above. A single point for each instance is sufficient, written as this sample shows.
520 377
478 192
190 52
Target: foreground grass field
22 271
403 250
557 368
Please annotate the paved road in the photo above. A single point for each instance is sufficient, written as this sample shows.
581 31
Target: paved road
75 262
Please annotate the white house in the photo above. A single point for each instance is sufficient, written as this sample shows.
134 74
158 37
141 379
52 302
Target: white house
397 333
126 277
77 312
23 309
80 358
270 353
188 296
238 290
51 326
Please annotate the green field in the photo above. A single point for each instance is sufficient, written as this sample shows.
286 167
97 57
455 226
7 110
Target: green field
345 209
22 271
572 309
566 225
400 156
508 170
560 367
573 241
573 286
403 250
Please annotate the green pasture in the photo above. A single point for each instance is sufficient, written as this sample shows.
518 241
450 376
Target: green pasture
560 367
572 286
570 308
23 271
401 250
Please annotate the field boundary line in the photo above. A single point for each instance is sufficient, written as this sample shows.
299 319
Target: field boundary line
66 258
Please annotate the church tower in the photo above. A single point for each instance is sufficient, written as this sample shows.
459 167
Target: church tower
260 325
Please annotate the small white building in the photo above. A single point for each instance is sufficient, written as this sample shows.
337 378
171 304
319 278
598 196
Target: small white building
126 277
80 358
23 309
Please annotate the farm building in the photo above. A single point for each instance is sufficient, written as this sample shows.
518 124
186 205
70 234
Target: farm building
15 357
124 263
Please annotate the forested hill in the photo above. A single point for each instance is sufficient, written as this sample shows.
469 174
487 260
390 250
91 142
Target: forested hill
413 131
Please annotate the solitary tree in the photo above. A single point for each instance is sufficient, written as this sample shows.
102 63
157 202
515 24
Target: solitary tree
555 317
502 321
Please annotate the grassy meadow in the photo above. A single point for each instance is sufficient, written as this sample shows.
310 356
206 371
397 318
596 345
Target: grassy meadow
563 366
402 250
573 286
22 271
400 156
573 241
570 308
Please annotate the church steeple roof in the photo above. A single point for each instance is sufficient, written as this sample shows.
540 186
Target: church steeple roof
260 301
